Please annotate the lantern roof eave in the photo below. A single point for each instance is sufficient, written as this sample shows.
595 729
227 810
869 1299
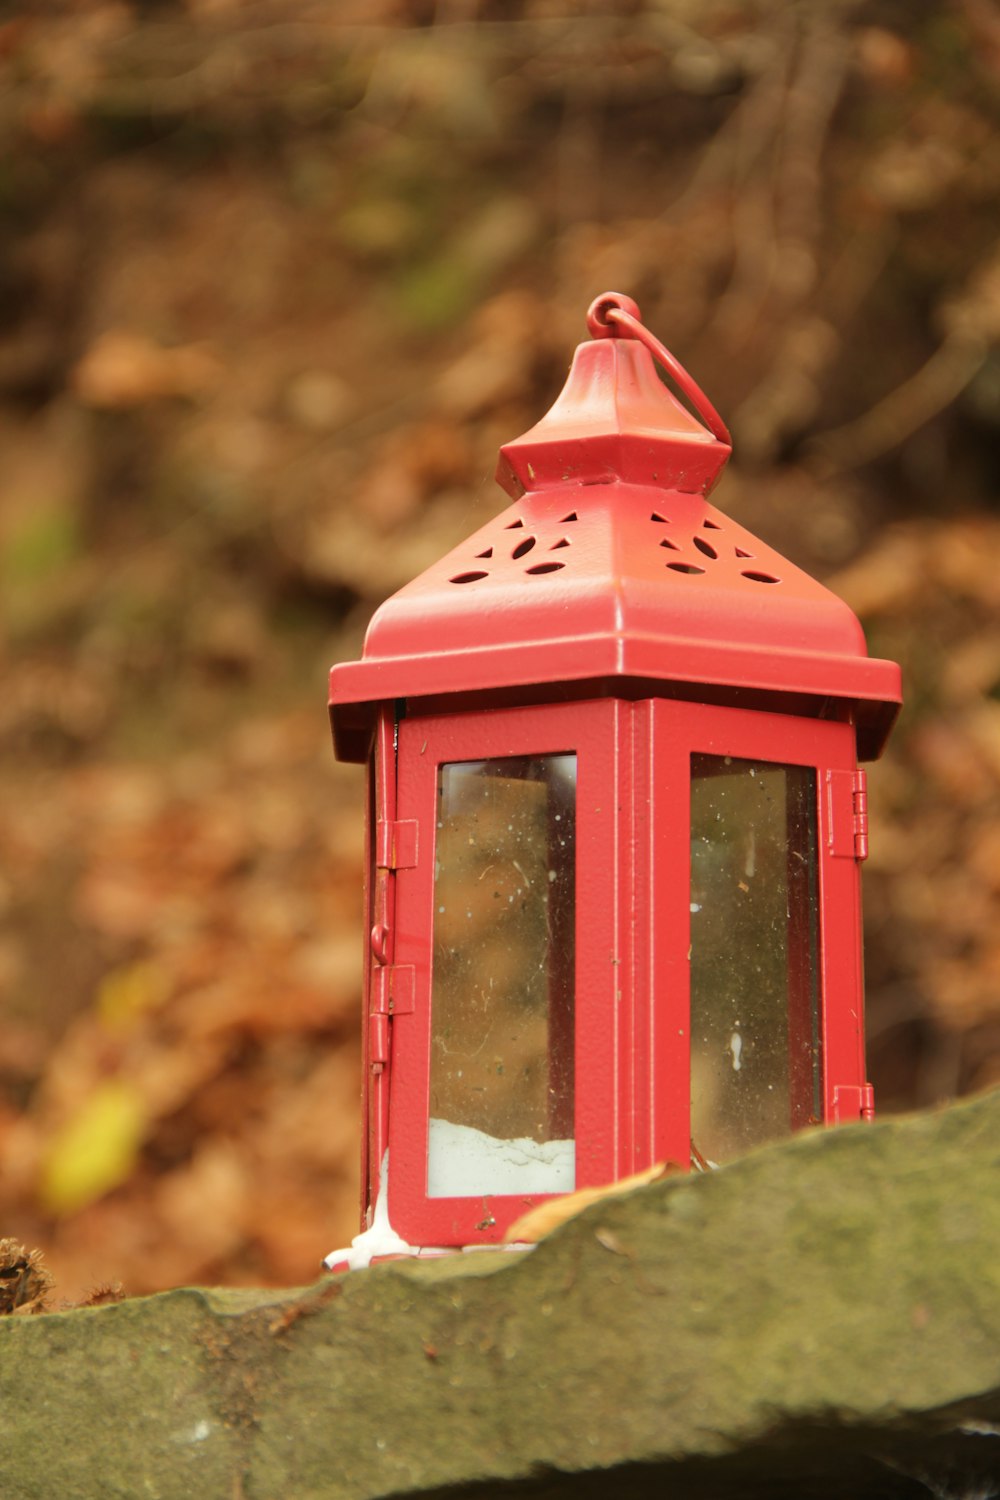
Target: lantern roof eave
356 688
632 582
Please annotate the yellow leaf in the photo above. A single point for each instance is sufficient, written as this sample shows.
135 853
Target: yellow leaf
96 1150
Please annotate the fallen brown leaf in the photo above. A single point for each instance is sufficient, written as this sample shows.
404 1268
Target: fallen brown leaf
538 1222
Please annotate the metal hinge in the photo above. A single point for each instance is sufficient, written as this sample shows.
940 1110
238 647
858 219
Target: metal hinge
847 809
396 844
393 987
392 990
860 790
853 1101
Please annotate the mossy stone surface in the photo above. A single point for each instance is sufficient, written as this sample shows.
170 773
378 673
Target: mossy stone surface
822 1317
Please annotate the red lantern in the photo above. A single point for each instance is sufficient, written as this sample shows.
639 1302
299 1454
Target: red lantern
616 821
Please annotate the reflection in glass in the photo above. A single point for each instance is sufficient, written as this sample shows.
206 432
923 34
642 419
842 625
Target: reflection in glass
755 1042
501 1077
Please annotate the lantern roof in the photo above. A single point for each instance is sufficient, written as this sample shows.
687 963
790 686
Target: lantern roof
612 571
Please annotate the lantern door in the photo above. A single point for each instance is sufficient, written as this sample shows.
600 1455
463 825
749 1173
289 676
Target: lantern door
504 1074
754 1023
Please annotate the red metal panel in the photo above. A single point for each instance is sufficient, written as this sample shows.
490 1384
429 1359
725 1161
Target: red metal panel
663 1061
843 974
680 729
367 1199
378 1058
615 889
595 732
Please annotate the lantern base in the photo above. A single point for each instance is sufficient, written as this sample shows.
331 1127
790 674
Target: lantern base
381 1242
340 1261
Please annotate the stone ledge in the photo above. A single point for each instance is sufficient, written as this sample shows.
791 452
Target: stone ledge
822 1317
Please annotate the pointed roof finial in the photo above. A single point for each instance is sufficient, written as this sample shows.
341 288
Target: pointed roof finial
615 419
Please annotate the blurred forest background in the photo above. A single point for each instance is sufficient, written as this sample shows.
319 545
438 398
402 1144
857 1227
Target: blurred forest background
276 279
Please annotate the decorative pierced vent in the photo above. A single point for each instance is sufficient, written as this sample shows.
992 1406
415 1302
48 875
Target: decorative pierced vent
702 553
534 550
522 549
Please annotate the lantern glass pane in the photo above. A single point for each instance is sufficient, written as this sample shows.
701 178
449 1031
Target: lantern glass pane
755 1034
501 1075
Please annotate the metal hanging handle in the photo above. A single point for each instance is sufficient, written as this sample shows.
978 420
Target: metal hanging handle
613 315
